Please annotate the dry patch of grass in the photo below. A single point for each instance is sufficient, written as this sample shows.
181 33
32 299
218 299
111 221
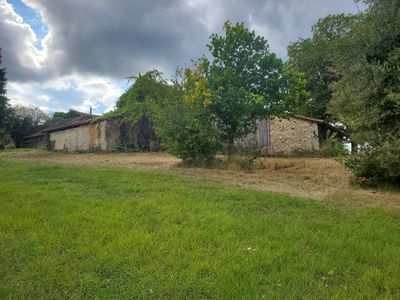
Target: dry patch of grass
320 179
141 161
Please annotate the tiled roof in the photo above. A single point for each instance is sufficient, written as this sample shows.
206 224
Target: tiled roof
70 123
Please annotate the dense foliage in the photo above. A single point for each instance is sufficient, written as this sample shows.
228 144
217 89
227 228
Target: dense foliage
247 81
178 111
352 64
26 120
367 98
316 58
215 102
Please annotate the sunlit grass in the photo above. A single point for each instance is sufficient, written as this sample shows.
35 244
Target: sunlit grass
71 232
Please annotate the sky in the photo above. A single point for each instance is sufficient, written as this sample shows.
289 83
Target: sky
77 54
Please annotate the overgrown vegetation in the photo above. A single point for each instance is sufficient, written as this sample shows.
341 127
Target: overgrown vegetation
247 82
372 165
333 147
209 106
352 64
74 232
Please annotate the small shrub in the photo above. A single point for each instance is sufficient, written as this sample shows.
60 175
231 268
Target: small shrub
332 147
379 164
241 158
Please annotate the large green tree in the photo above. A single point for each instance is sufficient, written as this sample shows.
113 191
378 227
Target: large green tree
247 81
316 58
26 119
178 109
217 101
367 96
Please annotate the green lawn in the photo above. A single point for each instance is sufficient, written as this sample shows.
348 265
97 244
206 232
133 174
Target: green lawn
70 232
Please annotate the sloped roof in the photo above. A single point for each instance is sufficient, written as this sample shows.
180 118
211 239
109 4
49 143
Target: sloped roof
69 123
339 132
83 118
36 134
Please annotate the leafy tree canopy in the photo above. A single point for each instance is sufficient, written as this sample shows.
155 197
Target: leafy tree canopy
316 58
216 101
26 120
367 97
59 116
247 81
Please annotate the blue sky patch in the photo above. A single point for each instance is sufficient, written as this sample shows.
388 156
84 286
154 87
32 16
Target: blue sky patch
32 18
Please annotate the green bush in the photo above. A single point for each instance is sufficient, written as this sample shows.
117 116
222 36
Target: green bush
380 164
332 147
186 131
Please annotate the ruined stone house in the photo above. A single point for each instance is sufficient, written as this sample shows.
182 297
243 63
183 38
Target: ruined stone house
91 133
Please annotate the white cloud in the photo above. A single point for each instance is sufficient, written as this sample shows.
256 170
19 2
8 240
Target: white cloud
73 91
18 37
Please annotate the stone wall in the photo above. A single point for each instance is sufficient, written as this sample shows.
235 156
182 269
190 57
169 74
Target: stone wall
289 135
106 135
139 136
74 139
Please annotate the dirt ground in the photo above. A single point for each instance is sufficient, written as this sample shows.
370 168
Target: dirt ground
320 179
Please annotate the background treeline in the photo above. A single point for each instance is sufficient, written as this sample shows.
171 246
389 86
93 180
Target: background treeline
18 121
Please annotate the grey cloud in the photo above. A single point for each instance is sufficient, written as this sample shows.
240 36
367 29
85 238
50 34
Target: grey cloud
120 38
123 37
16 40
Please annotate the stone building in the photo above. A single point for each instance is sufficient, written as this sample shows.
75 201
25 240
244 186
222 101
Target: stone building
289 135
90 133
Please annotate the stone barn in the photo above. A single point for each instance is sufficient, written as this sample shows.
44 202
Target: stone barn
93 133
289 135
90 133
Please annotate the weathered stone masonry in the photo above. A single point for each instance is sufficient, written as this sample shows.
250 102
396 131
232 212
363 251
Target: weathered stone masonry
85 133
290 135
88 134
287 135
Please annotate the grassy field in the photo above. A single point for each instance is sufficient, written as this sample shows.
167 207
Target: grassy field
84 232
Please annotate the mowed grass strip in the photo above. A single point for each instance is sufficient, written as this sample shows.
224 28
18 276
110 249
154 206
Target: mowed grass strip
71 232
